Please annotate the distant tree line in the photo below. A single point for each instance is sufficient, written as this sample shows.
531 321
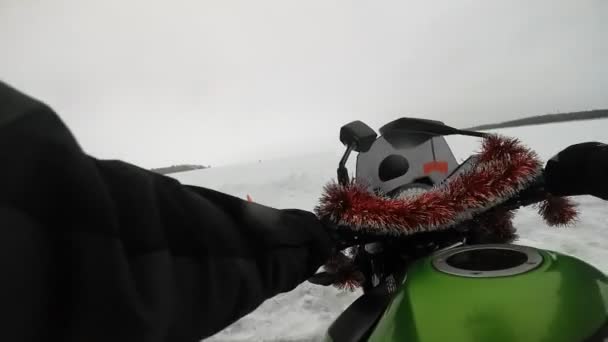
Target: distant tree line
547 118
178 168
532 120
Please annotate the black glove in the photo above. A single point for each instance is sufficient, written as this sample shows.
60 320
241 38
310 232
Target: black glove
580 169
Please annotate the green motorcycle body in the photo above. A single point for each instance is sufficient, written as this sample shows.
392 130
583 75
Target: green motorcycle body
507 293
474 293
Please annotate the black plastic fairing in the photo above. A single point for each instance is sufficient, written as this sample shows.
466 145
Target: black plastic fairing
357 322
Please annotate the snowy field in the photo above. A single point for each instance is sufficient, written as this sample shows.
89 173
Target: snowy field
305 313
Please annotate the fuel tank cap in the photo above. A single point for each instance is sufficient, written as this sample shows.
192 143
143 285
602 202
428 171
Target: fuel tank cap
487 261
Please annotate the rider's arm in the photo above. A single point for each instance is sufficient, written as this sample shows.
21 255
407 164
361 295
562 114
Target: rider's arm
98 250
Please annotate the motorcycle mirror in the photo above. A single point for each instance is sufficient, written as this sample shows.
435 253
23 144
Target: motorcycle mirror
430 127
358 136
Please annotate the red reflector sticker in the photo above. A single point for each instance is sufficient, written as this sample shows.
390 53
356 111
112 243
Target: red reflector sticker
436 166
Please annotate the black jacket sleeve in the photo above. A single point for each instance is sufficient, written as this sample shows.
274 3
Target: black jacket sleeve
580 169
96 250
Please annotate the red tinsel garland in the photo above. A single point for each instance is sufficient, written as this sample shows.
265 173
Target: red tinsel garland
503 168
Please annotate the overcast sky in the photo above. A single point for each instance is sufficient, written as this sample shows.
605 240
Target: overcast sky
218 82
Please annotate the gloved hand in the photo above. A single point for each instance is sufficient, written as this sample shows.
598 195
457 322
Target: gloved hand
580 169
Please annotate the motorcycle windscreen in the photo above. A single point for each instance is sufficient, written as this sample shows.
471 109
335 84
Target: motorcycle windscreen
397 159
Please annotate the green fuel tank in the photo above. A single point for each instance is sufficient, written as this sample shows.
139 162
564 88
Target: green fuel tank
474 293
498 293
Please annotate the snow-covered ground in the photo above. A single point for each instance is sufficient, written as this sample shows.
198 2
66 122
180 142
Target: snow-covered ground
306 312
